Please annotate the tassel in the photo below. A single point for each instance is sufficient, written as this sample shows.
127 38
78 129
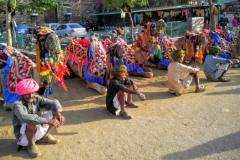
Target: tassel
117 63
153 50
90 52
201 54
125 62
160 54
121 61
38 61
114 61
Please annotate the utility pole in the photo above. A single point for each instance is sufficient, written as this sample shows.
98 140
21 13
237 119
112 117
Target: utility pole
8 27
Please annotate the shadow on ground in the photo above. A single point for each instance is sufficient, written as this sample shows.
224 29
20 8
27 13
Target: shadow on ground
88 115
12 149
219 145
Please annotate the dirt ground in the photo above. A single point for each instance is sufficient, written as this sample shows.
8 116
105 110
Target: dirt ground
193 126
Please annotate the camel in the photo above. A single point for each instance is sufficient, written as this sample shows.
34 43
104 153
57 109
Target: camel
48 68
119 52
15 67
87 59
154 46
49 60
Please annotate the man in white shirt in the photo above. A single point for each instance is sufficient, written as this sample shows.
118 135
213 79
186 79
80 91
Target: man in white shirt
177 83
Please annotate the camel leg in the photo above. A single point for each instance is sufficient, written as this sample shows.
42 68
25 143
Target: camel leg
7 106
98 87
146 69
143 74
159 66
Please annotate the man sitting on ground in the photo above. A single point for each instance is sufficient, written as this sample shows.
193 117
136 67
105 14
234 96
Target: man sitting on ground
29 125
177 83
116 94
215 67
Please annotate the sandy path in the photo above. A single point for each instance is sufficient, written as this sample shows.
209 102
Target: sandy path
194 126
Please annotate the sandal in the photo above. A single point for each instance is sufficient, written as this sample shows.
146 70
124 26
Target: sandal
222 79
201 88
214 80
236 65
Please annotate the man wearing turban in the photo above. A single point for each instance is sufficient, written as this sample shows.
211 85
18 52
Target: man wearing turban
116 94
29 125
177 83
212 70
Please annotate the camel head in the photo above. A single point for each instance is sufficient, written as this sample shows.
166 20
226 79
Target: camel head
48 56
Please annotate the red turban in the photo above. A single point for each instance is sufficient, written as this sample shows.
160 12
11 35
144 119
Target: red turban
26 86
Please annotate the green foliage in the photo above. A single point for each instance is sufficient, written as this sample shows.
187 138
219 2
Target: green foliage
36 6
12 4
2 4
117 4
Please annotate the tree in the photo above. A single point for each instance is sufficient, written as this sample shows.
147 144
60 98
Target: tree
25 6
213 12
125 5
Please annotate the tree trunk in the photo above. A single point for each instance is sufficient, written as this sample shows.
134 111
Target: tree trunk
131 27
8 28
212 17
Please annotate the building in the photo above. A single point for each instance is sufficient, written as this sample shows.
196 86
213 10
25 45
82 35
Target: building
84 11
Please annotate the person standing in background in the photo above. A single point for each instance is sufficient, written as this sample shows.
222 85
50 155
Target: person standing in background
235 24
224 21
206 25
238 18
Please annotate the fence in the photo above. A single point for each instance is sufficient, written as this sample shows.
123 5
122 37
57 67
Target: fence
102 34
174 29
26 41
177 29
20 40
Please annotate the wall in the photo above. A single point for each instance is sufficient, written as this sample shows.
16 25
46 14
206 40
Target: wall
91 6
78 7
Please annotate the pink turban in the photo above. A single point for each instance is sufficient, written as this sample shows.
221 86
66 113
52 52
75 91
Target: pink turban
26 86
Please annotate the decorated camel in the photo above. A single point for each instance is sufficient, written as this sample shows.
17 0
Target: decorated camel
154 46
93 59
14 67
49 66
118 52
49 60
196 45
87 59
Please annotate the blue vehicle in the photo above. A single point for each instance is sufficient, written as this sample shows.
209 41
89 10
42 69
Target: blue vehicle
22 28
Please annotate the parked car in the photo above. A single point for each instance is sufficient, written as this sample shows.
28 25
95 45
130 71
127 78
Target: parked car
22 28
51 25
71 29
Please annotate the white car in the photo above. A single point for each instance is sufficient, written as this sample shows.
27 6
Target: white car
52 25
71 29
